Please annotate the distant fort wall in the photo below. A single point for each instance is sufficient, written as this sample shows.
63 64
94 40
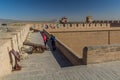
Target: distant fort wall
82 25
106 21
113 23
71 27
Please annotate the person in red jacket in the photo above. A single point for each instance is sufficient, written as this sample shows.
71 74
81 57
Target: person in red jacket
45 39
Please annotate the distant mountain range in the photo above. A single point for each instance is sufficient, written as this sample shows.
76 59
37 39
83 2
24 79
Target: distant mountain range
8 21
11 21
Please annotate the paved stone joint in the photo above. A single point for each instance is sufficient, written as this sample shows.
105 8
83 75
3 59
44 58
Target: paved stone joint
45 67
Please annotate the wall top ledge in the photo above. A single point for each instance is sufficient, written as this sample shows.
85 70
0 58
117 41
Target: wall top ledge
102 47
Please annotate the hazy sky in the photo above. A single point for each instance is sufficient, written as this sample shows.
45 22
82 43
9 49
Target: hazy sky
54 9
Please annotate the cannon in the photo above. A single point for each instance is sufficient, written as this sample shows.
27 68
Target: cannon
34 30
36 47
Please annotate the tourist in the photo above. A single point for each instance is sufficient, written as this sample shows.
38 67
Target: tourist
45 38
53 40
46 26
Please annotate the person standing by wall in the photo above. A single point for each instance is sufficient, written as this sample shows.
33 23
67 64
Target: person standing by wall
45 39
53 40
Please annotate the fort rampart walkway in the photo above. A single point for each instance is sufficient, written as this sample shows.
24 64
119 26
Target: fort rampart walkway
43 66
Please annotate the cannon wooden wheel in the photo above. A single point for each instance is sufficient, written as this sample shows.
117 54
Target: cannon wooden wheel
40 50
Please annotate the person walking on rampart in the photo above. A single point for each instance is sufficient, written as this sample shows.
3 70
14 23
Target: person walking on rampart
45 39
53 40
46 26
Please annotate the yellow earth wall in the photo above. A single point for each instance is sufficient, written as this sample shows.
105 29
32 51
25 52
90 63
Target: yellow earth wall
78 40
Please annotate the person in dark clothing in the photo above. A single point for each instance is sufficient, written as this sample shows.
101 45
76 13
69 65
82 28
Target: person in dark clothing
53 40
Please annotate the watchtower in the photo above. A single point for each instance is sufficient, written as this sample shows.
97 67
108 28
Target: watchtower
89 19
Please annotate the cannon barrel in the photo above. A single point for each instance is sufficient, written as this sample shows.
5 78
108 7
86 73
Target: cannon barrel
36 47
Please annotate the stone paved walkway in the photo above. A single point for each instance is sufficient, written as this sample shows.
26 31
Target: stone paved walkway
44 66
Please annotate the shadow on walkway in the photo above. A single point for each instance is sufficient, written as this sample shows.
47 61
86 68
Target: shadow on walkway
60 58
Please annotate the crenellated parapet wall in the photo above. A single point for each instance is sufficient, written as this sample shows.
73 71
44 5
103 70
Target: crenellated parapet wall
80 27
5 65
106 21
12 39
85 25
72 27
97 24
